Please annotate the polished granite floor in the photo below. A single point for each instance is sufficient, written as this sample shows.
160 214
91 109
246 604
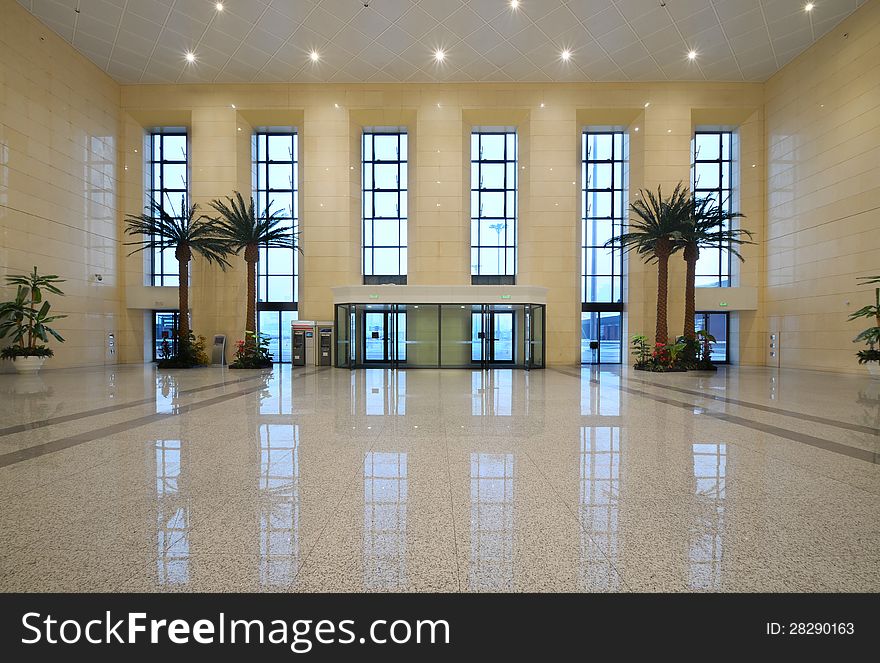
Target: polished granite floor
568 479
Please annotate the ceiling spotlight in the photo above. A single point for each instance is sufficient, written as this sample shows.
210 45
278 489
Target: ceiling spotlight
514 4
647 103
439 55
542 104
190 56
219 6
232 106
314 56
637 128
692 55
565 55
808 7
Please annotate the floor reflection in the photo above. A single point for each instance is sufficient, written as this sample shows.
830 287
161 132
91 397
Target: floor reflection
598 504
600 393
385 499
492 393
173 515
706 546
384 391
280 506
491 559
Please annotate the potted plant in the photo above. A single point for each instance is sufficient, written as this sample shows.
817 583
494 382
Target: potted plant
252 352
26 320
870 356
641 352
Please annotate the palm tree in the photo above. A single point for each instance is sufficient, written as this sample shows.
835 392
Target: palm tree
186 234
654 235
708 227
243 229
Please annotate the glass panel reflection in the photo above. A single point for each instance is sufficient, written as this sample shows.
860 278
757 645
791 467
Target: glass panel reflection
706 546
385 498
280 506
491 559
598 504
172 515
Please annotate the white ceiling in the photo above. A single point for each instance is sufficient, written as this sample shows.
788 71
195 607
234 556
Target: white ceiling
145 41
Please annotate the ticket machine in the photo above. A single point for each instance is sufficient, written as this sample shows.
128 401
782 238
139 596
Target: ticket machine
303 342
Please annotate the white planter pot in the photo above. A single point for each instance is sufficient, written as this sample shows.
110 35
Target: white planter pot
874 369
28 364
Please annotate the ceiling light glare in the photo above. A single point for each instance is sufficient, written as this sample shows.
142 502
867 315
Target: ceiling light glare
514 4
692 55
565 55
439 55
190 56
809 7
219 6
314 56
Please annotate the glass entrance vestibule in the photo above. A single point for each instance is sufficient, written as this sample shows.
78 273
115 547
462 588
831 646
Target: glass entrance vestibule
440 335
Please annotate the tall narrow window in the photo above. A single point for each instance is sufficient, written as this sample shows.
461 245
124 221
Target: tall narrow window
493 207
713 178
275 183
167 177
603 215
384 179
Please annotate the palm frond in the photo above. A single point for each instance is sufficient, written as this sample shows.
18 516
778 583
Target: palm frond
241 226
158 229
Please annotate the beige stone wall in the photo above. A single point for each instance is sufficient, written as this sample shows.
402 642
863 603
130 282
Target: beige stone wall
59 182
438 119
823 193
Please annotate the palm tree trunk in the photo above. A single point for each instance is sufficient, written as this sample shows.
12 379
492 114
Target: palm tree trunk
183 255
661 334
691 255
251 256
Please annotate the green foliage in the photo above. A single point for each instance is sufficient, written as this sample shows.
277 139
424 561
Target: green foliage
868 355
190 353
656 222
709 226
13 351
252 352
158 229
640 350
26 319
871 335
705 341
241 226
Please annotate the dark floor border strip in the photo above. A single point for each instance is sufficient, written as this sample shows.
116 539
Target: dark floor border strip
803 438
74 416
74 440
858 428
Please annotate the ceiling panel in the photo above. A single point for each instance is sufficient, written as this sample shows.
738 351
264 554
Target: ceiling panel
395 40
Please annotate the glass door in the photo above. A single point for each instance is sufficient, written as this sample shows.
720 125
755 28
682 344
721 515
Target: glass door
384 336
493 337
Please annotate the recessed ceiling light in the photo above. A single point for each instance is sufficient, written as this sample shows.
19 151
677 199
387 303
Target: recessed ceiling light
314 56
669 131
647 103
692 55
190 56
439 55
808 7
514 4
219 6
335 105
232 106
565 55
542 104
637 128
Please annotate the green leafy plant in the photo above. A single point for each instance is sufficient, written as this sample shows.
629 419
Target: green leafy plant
244 229
187 234
709 226
705 341
26 319
654 234
190 353
252 352
871 335
641 351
